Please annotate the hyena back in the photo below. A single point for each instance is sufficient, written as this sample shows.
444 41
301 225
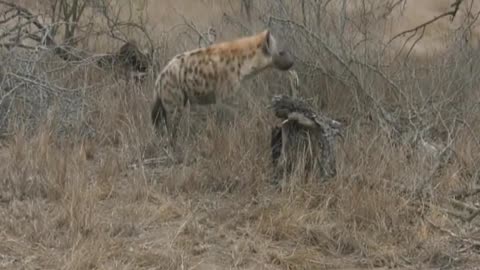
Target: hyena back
204 75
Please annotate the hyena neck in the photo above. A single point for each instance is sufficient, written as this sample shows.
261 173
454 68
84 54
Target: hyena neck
250 70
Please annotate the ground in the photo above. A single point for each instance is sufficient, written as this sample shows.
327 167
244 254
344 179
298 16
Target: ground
87 184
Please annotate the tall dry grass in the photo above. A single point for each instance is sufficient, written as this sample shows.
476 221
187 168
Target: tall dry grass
86 183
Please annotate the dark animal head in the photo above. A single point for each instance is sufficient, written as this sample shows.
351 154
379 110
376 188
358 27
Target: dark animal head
131 56
281 57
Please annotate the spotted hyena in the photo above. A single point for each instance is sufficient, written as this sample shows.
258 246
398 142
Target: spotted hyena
202 76
129 62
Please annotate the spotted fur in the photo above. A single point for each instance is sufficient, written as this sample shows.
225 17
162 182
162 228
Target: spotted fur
205 75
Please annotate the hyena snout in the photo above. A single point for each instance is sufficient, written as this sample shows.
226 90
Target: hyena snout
283 60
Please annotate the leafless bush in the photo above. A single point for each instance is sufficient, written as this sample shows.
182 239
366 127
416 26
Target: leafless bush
32 92
32 74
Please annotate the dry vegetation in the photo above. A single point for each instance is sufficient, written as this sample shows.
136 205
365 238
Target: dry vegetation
86 184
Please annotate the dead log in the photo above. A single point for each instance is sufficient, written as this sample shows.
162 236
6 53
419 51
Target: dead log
304 139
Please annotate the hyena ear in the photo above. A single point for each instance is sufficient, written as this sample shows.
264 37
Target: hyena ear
267 43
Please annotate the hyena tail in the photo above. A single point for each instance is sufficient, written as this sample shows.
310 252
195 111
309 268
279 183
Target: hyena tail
158 113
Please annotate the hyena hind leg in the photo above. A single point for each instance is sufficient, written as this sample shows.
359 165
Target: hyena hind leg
173 118
165 119
166 122
158 115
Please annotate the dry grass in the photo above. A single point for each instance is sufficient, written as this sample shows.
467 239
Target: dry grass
87 185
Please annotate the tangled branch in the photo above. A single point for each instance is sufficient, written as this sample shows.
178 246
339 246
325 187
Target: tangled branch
422 27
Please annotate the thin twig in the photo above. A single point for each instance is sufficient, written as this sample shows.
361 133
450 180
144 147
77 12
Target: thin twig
452 13
473 216
462 205
330 51
454 235
468 193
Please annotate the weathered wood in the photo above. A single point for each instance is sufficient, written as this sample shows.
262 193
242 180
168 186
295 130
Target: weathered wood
304 139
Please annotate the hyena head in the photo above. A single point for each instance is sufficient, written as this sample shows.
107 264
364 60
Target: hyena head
131 56
277 56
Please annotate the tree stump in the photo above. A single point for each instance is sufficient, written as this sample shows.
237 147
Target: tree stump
303 139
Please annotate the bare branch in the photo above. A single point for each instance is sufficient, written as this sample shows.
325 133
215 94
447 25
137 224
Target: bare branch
473 216
468 193
115 24
422 26
10 45
8 18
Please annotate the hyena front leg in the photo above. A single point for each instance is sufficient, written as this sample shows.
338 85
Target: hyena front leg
224 107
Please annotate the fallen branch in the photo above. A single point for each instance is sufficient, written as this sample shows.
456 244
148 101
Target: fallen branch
473 211
473 216
468 240
463 206
468 193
